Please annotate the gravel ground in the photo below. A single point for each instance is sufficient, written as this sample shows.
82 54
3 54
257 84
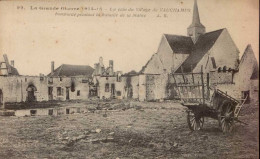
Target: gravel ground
148 130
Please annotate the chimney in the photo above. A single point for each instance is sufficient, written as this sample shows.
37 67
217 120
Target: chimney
52 66
101 62
111 66
12 63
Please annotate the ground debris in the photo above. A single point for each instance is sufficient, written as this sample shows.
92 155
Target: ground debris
154 133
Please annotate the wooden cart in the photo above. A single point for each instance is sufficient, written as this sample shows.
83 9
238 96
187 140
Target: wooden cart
204 101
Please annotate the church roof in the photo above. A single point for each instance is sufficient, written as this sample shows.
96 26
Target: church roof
179 44
72 70
199 49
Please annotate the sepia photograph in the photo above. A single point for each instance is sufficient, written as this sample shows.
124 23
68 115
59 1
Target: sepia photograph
129 79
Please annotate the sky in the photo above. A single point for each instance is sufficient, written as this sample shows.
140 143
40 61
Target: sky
33 38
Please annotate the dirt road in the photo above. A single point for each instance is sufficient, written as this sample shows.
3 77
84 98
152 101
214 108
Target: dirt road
151 130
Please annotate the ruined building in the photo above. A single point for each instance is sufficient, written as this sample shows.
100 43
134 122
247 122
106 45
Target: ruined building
67 82
214 52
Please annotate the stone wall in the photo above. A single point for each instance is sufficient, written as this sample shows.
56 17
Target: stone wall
110 80
156 87
142 87
221 77
15 88
126 87
76 87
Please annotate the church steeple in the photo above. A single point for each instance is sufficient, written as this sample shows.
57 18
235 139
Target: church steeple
196 28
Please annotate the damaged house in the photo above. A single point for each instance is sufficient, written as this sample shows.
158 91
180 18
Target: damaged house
110 84
69 82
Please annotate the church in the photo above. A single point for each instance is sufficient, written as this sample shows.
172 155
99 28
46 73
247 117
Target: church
215 52
212 50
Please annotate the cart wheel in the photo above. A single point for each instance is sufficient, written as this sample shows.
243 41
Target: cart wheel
195 121
226 117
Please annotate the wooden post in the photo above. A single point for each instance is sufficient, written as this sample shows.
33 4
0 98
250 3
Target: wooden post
199 91
208 93
192 78
3 100
21 90
176 85
202 83
183 75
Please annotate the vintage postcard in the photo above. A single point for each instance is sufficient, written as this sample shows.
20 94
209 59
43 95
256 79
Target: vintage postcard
125 79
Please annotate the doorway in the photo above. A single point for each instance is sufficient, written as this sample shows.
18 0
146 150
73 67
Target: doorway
67 93
113 89
31 89
50 93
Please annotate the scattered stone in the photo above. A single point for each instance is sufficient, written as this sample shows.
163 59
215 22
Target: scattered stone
167 146
98 130
112 133
175 144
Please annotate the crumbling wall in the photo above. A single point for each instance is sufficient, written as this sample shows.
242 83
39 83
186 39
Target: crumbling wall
156 87
221 77
103 80
78 87
153 66
142 87
62 82
135 86
15 88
